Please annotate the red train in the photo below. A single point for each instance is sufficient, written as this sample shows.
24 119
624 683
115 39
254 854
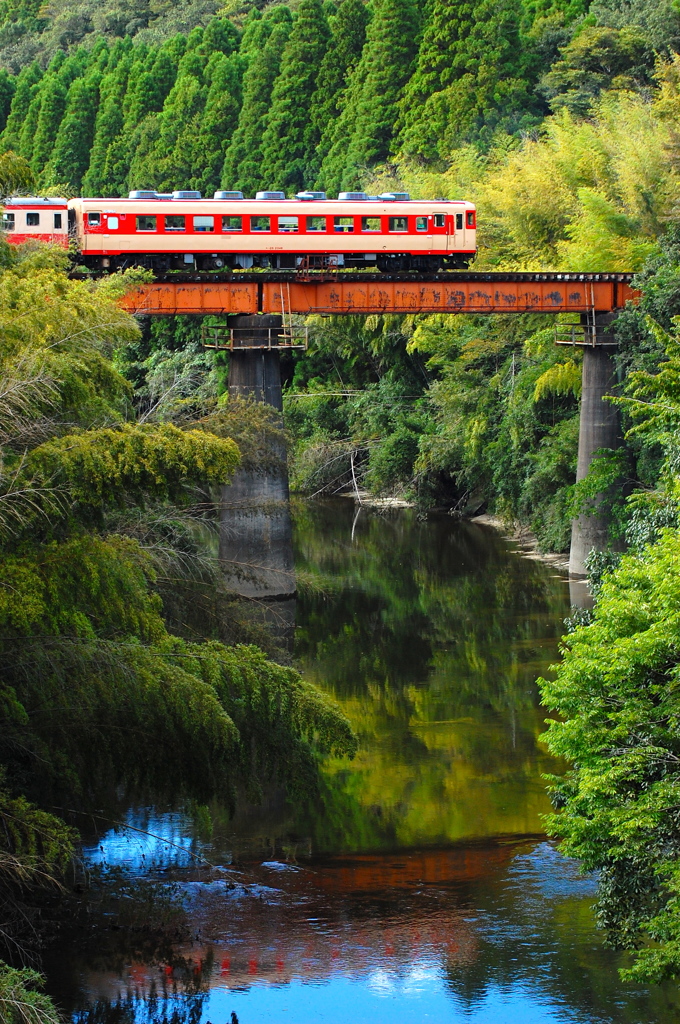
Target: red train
183 231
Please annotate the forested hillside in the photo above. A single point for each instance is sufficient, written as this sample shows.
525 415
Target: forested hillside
102 98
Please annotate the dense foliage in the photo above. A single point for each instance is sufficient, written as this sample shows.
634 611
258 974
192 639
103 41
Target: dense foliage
108 97
561 121
115 680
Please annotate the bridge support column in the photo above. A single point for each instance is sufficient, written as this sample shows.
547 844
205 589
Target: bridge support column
600 427
255 527
254 367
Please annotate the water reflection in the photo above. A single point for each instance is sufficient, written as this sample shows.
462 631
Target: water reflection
407 889
430 635
488 933
256 548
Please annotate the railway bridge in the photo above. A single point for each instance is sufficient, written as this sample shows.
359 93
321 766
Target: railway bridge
258 310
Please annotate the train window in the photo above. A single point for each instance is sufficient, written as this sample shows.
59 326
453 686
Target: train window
421 223
95 219
398 223
459 222
288 225
371 224
8 222
145 222
316 223
232 223
32 220
344 225
471 218
174 222
204 223
439 220
57 221
260 224
112 222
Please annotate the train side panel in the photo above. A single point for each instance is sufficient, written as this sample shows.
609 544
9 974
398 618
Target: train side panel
365 230
35 219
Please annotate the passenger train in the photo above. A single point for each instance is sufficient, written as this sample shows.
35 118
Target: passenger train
183 231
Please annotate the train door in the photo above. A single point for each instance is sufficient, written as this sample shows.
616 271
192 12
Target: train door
439 232
456 233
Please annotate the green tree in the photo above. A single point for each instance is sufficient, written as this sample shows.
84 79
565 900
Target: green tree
15 175
243 157
53 94
26 84
364 130
291 137
616 694
162 147
29 127
96 692
7 87
108 125
448 25
348 27
71 154
223 76
598 59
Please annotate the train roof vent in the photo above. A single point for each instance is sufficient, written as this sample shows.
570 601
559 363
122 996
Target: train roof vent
142 193
395 197
352 196
186 195
164 195
224 194
270 195
310 195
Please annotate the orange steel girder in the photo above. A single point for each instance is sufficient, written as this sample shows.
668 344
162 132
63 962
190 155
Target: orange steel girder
354 295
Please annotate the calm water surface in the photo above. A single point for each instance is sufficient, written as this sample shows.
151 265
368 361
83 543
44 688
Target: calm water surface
417 886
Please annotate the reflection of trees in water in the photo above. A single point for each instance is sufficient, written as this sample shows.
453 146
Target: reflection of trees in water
432 642
180 1000
547 941
130 1009
409 591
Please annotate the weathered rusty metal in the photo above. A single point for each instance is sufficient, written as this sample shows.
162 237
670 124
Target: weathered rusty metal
381 293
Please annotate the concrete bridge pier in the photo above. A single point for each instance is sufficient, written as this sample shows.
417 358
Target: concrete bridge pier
599 427
255 526
255 362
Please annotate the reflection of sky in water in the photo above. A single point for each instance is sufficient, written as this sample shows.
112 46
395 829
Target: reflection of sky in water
149 840
506 937
345 1000
418 996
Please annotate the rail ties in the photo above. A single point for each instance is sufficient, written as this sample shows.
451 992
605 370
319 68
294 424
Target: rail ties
444 277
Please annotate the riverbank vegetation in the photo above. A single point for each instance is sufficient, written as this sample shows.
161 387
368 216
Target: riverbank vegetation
111 688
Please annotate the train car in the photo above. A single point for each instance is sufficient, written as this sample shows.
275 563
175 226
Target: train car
31 218
185 231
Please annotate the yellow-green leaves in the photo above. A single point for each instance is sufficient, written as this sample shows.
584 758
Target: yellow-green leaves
131 461
560 379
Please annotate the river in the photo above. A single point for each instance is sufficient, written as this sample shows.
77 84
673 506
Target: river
417 884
